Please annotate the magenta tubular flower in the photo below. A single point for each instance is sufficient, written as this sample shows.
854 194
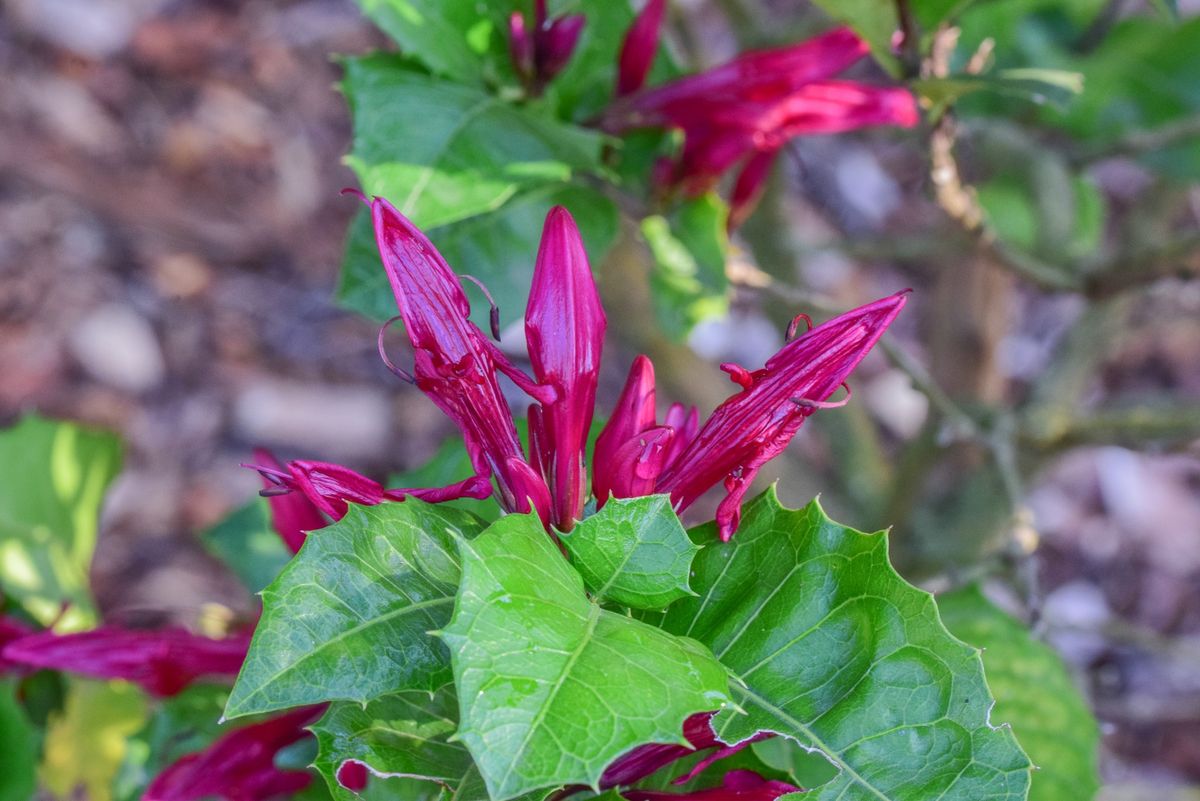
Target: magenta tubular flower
744 111
539 56
755 425
293 515
163 662
240 765
564 328
455 364
639 47
737 785
633 415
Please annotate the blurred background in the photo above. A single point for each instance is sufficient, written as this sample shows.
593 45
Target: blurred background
171 234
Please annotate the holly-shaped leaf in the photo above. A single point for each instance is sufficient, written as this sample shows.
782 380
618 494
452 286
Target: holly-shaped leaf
634 551
53 477
1034 693
348 617
400 734
404 740
830 647
551 687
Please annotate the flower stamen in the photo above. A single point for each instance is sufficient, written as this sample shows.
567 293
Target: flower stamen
399 372
805 403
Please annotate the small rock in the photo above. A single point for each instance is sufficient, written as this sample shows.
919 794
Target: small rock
332 422
117 346
897 404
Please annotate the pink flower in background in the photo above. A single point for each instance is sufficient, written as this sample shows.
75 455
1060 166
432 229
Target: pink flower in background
240 765
739 114
163 661
539 55
639 47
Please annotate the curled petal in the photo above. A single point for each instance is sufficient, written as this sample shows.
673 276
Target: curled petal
564 326
528 490
755 425
240 765
162 662
634 413
293 515
477 487
638 463
685 421
329 487
639 47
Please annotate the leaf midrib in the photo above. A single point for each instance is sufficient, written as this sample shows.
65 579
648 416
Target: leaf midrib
834 755
387 616
594 614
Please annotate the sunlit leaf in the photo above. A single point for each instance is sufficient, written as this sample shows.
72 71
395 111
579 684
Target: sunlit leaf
52 481
87 742
634 551
830 647
348 617
552 688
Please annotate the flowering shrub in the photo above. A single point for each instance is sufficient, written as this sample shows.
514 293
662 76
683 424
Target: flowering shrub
543 626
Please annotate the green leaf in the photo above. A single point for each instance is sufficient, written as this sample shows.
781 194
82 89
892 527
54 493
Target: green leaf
1034 693
634 552
497 248
689 253
443 152
1041 86
830 647
875 21
348 617
53 477
551 687
401 734
247 544
450 37
87 742
18 747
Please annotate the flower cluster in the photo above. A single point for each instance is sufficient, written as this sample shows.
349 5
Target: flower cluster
458 367
741 113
